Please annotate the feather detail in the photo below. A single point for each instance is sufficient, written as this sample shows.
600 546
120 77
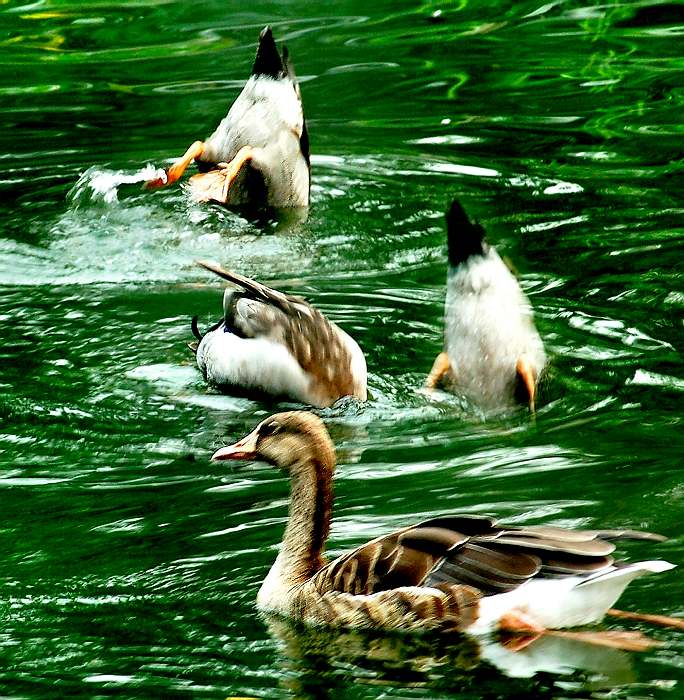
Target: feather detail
322 361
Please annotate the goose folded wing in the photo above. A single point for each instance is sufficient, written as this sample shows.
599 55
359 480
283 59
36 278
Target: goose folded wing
503 560
473 551
252 318
403 558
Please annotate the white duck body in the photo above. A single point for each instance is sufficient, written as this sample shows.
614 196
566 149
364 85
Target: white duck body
258 364
493 354
279 345
259 154
455 573
268 117
489 327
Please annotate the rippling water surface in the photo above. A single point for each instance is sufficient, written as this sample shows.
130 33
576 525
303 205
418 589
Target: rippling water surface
130 562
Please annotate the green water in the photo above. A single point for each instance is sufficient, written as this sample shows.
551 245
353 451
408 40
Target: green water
130 563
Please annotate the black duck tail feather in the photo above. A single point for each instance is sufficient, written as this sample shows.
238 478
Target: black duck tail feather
464 238
195 328
305 147
268 61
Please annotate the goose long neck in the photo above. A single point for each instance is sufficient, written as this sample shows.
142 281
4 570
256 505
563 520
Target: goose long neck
308 525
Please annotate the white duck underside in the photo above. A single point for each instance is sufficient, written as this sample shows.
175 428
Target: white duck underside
265 365
489 327
252 363
268 116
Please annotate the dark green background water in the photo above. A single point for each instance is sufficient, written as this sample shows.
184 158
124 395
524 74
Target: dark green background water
130 563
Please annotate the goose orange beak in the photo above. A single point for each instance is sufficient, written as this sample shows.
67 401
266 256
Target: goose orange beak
242 449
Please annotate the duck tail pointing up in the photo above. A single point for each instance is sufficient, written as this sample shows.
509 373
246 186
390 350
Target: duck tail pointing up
268 61
464 238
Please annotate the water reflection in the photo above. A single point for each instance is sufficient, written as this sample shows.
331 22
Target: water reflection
317 661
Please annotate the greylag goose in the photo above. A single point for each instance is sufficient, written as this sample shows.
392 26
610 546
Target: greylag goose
492 351
451 573
278 344
259 153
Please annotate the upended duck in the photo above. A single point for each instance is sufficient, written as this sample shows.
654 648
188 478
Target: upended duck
492 353
259 153
456 573
278 344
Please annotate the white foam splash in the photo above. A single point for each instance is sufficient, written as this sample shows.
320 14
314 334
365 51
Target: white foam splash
101 184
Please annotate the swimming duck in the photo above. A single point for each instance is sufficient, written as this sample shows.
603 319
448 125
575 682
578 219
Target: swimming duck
492 351
451 573
278 344
259 153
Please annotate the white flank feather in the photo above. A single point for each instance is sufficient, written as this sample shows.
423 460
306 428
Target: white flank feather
252 363
565 602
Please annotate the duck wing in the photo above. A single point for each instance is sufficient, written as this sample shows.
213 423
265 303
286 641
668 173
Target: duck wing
318 346
473 551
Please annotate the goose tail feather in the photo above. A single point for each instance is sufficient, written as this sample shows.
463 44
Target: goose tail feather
628 573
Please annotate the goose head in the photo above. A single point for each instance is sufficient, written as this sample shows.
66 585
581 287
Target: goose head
298 443
285 440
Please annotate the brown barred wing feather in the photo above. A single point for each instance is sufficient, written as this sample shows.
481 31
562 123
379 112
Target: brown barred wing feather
315 343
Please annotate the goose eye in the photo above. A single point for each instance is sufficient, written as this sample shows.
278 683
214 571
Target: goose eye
269 429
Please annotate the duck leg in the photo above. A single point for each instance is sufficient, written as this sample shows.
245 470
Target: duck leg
520 630
215 185
662 620
174 173
527 378
441 369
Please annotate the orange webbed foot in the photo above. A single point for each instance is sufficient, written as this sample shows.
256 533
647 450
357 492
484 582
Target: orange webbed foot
175 172
519 630
527 378
660 620
441 370
613 639
215 185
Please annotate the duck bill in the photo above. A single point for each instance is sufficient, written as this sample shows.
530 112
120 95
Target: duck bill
243 449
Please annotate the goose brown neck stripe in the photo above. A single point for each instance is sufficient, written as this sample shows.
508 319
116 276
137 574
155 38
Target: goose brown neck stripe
310 514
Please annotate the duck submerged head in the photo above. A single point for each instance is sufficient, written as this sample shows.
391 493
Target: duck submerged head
283 440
